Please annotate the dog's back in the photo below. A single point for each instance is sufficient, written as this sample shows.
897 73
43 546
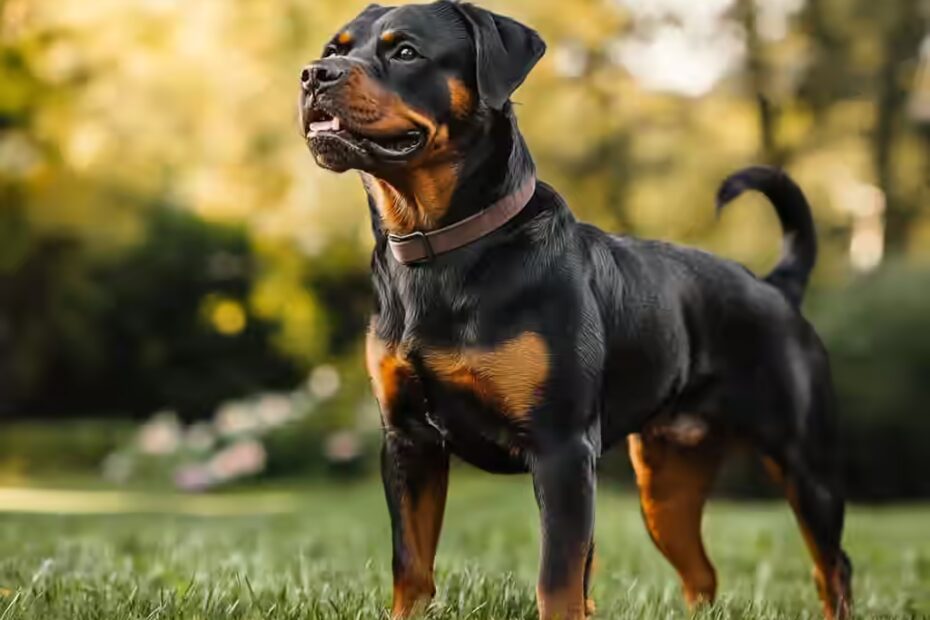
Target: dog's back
689 329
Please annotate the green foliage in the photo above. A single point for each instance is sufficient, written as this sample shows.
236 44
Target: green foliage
30 449
327 556
166 323
302 451
39 279
176 304
876 332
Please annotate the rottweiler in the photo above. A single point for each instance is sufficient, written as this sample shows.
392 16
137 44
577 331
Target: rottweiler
509 334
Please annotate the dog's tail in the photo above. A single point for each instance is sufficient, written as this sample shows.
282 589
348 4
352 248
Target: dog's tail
799 244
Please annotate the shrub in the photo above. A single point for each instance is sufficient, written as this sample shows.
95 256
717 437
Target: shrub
70 446
166 323
878 333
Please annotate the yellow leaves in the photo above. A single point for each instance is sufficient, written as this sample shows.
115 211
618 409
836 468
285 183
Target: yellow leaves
738 136
302 330
920 240
86 144
281 295
219 193
14 15
193 104
592 22
226 315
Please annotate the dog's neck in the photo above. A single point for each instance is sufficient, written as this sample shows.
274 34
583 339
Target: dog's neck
494 165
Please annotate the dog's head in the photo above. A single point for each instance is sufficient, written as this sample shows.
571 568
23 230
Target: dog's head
400 87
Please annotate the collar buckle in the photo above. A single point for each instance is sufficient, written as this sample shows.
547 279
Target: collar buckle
423 238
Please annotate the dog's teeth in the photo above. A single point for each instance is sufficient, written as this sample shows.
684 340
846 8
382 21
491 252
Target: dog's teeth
330 125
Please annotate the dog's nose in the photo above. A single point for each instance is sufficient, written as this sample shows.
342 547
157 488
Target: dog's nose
321 75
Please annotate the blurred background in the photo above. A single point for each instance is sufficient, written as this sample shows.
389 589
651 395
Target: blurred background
183 293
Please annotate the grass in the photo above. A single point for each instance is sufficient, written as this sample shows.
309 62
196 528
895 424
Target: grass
324 553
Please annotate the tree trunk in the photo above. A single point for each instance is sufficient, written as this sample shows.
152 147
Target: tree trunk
758 80
900 43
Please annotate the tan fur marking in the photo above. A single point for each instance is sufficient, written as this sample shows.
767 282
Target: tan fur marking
416 196
832 589
433 191
567 603
415 201
387 370
344 38
422 524
461 99
396 214
389 37
510 376
377 111
674 482
375 351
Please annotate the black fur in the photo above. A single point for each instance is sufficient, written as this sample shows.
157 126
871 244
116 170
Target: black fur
800 241
637 332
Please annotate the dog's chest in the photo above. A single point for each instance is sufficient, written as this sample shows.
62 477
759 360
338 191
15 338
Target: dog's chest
459 386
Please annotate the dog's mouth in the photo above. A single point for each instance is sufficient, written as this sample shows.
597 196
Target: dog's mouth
335 139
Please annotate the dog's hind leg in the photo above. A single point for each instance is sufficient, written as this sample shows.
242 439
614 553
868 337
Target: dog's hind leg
813 489
805 461
818 507
674 480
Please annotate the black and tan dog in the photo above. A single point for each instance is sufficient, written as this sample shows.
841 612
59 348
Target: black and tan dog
521 340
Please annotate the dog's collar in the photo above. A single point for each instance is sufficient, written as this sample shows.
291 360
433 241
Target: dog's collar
419 247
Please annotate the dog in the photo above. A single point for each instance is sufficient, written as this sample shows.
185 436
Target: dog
509 334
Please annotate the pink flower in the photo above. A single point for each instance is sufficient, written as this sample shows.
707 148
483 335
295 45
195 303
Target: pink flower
274 409
342 447
242 458
161 435
194 478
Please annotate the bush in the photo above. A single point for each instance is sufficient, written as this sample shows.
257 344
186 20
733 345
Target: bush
165 324
71 447
878 333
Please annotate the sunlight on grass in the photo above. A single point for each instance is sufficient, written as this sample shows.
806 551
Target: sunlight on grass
323 552
56 501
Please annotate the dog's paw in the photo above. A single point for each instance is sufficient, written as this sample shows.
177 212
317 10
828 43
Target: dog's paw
589 607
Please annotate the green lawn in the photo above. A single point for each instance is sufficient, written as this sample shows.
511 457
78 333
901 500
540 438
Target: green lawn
324 553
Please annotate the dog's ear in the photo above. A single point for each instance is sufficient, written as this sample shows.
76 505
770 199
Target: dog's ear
374 11
370 13
506 51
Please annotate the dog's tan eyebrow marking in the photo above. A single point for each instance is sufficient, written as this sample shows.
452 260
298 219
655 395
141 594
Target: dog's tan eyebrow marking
344 38
389 36
461 99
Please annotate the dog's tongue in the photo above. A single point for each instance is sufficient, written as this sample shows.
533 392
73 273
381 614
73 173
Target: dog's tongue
330 125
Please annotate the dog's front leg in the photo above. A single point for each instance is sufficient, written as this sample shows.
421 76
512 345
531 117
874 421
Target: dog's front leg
564 481
416 477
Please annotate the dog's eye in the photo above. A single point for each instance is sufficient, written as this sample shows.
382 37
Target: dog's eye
331 50
406 53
